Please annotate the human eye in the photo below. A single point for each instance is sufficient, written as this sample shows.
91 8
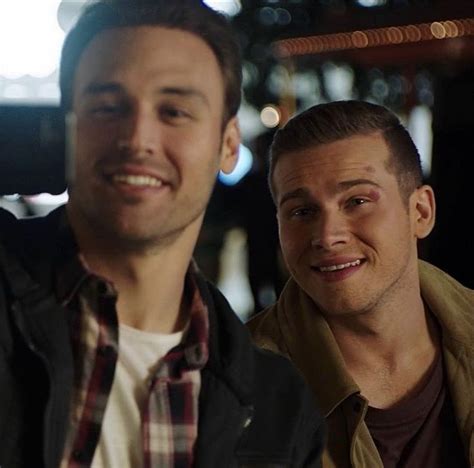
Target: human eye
173 114
357 201
300 213
106 110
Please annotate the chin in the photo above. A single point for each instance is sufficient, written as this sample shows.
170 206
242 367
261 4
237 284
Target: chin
339 308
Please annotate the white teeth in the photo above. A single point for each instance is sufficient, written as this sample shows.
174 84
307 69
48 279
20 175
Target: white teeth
339 267
137 180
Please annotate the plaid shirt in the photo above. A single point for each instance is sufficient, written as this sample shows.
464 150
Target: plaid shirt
170 417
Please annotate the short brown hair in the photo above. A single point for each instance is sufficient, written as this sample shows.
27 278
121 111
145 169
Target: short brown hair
187 15
327 123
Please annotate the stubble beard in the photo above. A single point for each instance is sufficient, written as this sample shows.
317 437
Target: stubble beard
105 229
380 299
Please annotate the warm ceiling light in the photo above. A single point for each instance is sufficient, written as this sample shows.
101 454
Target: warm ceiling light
438 30
270 116
359 39
375 37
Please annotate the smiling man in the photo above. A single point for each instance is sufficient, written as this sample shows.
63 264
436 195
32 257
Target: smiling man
384 340
114 350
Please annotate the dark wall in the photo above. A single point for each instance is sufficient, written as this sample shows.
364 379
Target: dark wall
451 245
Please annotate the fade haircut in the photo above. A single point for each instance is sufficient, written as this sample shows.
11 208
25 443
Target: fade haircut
192 16
327 123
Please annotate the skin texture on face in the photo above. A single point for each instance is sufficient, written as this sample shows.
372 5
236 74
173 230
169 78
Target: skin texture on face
149 104
347 236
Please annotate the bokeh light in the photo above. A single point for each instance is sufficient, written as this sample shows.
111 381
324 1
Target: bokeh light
30 38
270 116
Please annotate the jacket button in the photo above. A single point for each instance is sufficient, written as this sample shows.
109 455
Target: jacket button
247 422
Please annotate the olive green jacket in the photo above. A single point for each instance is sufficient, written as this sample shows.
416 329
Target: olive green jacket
295 328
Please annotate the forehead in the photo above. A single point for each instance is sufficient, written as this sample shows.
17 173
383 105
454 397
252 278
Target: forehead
147 53
357 157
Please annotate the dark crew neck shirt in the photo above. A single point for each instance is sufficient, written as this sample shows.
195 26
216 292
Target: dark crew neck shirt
419 432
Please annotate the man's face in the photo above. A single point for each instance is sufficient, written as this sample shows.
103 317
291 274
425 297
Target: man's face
347 237
149 103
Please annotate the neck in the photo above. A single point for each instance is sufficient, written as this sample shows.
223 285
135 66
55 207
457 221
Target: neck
388 351
149 281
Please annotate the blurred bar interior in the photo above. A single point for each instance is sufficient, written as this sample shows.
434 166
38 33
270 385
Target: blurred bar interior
414 56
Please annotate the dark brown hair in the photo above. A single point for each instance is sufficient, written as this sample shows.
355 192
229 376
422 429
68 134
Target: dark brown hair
327 123
188 15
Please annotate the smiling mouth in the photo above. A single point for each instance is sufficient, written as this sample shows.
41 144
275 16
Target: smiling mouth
342 266
137 180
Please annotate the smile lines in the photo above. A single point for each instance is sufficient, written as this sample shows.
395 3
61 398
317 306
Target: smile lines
339 267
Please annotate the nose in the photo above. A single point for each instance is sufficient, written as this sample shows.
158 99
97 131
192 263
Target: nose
139 135
330 231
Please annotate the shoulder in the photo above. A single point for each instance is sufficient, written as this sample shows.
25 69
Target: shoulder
286 419
287 410
8 228
450 301
266 331
275 373
277 380
7 219
26 229
439 284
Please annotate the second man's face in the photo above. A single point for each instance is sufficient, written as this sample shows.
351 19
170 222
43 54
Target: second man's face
347 236
149 103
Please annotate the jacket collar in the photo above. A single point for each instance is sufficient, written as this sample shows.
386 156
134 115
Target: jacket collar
451 304
313 349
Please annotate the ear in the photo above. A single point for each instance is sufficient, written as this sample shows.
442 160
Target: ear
230 146
424 210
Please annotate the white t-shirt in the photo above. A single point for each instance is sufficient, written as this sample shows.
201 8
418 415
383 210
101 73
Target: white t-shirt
120 443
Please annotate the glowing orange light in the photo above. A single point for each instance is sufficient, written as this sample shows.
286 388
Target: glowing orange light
451 29
460 27
376 37
438 30
395 35
359 39
413 33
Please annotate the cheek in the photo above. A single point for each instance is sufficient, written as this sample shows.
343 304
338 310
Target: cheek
196 151
293 242
91 141
384 232
85 154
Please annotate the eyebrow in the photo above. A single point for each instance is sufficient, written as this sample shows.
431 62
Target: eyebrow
100 88
298 193
96 88
303 192
347 184
185 92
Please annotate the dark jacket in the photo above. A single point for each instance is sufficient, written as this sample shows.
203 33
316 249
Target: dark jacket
254 408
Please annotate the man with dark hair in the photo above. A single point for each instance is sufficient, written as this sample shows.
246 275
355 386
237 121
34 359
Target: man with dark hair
384 340
114 350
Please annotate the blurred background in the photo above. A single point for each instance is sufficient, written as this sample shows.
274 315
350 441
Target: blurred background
414 56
